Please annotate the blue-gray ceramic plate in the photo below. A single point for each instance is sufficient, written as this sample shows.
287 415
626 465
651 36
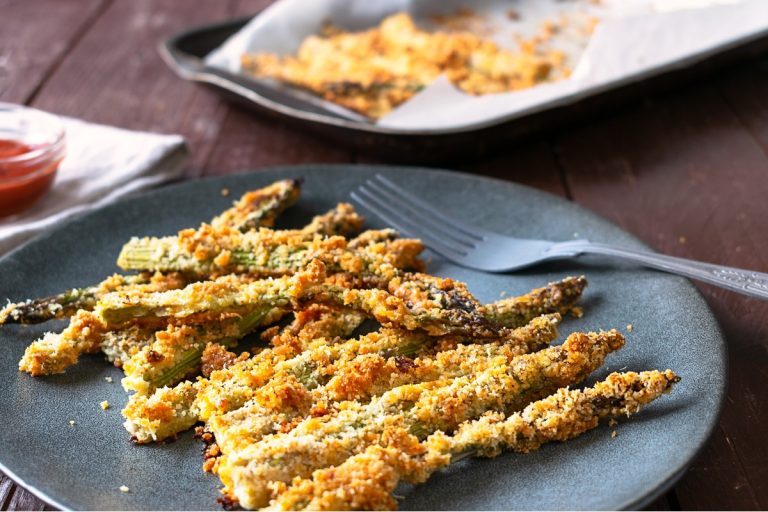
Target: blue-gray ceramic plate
82 466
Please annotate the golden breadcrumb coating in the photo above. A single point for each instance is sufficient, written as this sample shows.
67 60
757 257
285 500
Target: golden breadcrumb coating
376 70
54 353
249 471
366 481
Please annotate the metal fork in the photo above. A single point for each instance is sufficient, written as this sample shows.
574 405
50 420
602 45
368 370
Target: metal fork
480 249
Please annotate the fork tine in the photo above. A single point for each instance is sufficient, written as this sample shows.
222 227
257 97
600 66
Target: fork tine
405 227
425 215
474 232
401 208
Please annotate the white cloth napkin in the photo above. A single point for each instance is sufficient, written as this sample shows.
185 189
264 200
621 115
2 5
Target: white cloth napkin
101 164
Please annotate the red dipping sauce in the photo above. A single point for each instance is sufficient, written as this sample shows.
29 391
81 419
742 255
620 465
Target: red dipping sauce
31 148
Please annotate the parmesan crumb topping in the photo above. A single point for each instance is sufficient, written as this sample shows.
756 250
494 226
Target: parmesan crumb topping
108 379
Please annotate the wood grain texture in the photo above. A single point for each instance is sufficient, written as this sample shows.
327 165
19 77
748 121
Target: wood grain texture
745 92
116 76
532 164
13 497
35 37
6 490
246 142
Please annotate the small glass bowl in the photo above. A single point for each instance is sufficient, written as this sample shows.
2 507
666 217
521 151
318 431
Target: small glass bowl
32 145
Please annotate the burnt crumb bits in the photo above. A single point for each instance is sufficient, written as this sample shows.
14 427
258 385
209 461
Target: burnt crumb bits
404 364
154 357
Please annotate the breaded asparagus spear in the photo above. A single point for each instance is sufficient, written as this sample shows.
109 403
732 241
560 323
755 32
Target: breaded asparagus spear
260 208
53 353
367 480
211 250
176 351
66 304
555 297
199 302
370 375
249 472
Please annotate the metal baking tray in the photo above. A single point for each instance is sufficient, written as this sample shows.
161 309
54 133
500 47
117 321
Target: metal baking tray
184 53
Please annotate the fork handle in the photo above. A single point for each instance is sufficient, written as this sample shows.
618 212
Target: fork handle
747 282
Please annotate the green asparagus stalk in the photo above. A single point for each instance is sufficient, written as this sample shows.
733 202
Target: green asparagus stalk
370 375
177 351
555 297
411 301
225 296
64 305
260 208
219 250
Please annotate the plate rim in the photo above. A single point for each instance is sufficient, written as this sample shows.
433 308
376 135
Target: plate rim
630 504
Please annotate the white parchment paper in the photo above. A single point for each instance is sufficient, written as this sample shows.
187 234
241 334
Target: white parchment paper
634 39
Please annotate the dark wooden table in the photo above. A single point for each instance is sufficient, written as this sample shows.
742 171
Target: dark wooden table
686 170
